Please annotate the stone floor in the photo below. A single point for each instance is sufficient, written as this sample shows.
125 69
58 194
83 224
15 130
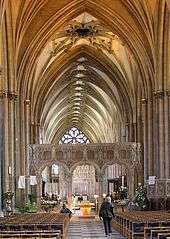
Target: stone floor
89 228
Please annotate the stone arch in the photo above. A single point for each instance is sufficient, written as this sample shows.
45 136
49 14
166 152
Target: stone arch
57 162
85 162
130 172
39 176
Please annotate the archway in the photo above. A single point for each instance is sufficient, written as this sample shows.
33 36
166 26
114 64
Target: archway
84 181
115 181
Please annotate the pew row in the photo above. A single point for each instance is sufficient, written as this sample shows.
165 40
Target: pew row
35 234
134 225
36 222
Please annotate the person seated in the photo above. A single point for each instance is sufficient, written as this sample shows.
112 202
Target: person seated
65 210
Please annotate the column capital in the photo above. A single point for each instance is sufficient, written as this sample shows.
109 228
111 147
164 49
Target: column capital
5 94
27 102
144 101
167 93
159 94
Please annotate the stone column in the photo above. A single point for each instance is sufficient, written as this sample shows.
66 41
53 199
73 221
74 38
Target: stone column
7 149
35 130
155 135
150 141
27 142
10 136
100 180
145 138
69 177
1 146
130 182
39 190
161 137
160 144
167 137
7 141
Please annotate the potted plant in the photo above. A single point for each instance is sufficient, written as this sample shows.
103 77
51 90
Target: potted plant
32 198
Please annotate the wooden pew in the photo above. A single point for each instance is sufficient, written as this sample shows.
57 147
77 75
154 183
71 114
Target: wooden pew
29 234
34 222
132 224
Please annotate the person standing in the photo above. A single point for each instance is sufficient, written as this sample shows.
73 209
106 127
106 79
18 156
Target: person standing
107 214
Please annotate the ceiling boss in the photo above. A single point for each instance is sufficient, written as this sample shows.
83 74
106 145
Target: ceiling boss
85 31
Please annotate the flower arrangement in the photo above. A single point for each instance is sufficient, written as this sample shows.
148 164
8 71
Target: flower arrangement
48 205
32 198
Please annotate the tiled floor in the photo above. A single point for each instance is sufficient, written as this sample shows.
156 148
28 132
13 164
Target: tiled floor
88 228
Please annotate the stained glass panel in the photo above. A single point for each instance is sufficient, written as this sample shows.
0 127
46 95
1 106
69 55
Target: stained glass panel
74 136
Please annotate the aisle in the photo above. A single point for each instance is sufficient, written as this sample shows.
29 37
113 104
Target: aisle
88 228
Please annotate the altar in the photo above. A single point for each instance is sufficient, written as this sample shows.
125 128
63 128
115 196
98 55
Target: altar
85 210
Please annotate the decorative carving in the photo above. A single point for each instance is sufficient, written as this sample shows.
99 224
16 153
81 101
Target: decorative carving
92 32
161 189
70 155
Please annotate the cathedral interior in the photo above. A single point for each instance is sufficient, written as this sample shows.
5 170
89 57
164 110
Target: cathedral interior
85 107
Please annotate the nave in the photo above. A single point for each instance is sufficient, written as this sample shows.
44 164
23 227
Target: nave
89 228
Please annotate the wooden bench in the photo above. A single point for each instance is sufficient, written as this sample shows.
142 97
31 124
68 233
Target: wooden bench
132 224
36 222
148 231
154 232
163 235
35 234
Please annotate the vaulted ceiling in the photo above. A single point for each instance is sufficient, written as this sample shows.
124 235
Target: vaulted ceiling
83 63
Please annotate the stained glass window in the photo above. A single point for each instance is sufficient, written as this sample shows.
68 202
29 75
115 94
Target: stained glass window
74 136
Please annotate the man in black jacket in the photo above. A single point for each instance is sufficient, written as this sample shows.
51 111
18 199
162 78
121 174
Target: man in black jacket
106 213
